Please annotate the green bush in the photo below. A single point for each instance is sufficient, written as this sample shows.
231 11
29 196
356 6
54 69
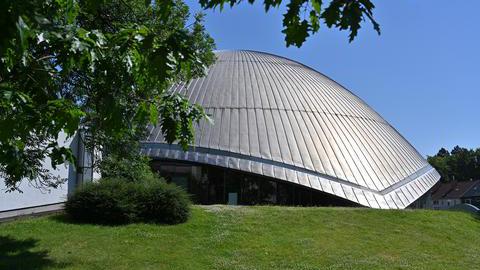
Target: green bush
107 201
163 203
132 169
119 201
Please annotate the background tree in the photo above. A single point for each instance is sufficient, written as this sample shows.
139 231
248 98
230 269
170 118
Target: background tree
460 164
105 67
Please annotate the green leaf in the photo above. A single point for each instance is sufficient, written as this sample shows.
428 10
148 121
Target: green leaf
23 32
315 25
317 6
153 114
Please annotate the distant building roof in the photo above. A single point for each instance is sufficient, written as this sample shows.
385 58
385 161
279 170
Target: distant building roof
474 191
456 190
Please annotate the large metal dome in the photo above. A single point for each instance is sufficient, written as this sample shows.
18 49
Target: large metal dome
278 118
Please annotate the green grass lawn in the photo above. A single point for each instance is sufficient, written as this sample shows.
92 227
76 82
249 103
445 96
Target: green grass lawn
221 237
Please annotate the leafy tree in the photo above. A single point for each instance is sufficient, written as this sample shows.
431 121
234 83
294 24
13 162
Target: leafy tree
443 152
304 17
459 164
103 66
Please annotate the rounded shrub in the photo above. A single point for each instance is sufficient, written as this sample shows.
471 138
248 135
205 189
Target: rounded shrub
160 202
119 201
108 201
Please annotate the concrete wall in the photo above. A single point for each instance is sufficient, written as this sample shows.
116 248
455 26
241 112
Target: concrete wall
33 196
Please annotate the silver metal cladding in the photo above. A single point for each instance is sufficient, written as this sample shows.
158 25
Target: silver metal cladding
278 118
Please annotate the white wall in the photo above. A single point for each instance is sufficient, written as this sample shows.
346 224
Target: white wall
32 196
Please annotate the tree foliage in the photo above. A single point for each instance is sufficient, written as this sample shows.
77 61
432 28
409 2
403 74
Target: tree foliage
460 164
304 17
103 66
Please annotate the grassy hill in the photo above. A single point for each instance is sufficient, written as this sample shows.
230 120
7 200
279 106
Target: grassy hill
221 237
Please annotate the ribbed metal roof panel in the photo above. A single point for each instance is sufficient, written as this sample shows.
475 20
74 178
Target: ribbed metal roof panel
279 118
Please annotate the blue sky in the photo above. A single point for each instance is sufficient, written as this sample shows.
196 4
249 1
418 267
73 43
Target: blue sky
422 74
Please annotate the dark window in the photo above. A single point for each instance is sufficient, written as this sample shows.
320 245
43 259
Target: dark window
216 185
285 194
250 191
268 192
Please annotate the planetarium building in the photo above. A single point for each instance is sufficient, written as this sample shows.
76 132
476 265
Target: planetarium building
284 133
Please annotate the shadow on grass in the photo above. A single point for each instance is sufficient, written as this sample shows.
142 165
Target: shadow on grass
18 254
63 218
66 219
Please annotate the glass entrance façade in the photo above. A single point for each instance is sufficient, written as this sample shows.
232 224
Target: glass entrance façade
217 185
